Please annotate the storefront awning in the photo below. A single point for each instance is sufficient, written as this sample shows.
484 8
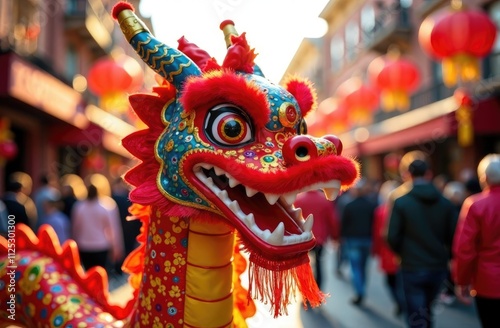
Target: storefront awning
432 122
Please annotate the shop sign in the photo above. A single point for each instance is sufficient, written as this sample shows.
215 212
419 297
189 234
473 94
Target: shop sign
45 92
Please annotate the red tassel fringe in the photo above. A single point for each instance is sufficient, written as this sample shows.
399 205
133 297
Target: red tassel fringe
276 283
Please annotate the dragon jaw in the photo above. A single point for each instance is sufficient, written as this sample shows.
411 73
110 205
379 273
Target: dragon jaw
267 221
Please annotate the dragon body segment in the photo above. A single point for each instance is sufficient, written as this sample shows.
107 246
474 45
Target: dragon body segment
223 157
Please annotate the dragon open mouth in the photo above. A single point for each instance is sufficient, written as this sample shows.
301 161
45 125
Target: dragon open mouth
269 217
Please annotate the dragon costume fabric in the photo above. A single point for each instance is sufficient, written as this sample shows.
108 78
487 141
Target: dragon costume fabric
222 159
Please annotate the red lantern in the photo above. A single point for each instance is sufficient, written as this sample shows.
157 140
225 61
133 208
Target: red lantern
458 37
111 77
396 78
334 117
8 149
359 99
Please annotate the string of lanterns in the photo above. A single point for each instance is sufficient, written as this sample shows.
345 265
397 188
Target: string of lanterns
456 36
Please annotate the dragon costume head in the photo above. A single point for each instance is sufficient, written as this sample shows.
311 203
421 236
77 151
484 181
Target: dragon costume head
224 144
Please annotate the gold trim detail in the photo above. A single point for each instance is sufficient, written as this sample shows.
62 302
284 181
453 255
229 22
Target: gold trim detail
130 24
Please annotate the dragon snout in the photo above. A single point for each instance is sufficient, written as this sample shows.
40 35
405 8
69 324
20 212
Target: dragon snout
302 148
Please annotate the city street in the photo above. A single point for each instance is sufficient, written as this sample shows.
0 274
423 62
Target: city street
377 311
338 312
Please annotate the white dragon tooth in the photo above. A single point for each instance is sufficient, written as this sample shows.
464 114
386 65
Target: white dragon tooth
206 166
272 198
289 198
250 192
308 224
234 206
278 235
210 181
219 171
331 193
297 213
249 220
233 182
223 195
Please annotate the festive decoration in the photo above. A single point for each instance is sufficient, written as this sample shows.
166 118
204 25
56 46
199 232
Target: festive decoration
396 78
332 117
458 36
112 78
463 114
8 148
223 156
359 99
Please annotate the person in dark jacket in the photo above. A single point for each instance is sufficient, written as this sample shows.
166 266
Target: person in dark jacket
12 204
421 228
356 233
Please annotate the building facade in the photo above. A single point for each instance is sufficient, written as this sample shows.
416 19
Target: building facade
46 51
362 30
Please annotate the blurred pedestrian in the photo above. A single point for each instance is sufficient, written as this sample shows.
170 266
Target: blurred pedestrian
54 217
421 227
339 204
23 197
130 228
455 192
68 199
389 262
96 229
45 192
4 219
476 246
316 207
356 229
12 204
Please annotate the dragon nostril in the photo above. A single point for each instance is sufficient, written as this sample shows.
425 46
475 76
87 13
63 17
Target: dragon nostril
336 142
299 149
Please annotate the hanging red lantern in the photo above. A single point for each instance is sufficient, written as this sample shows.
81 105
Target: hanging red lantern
459 37
334 116
112 77
8 147
359 99
396 78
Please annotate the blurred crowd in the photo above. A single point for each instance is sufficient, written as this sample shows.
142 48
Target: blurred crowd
92 211
435 239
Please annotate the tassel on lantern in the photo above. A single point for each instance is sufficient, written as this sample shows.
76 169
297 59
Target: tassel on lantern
392 100
463 114
460 68
465 132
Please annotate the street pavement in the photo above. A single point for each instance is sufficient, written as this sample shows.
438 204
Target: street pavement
377 310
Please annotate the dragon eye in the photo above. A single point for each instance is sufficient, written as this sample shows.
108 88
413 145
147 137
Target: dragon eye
302 127
227 125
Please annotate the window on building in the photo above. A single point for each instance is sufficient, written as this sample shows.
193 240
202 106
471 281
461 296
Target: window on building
337 53
26 27
367 22
71 63
494 57
351 39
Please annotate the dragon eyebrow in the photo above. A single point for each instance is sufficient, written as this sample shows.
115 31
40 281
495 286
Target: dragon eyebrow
218 87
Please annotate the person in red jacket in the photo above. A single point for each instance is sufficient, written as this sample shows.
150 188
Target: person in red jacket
476 246
325 225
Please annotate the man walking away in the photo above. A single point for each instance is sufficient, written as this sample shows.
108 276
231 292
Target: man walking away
420 231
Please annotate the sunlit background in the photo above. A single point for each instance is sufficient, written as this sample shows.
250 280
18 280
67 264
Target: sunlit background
275 28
